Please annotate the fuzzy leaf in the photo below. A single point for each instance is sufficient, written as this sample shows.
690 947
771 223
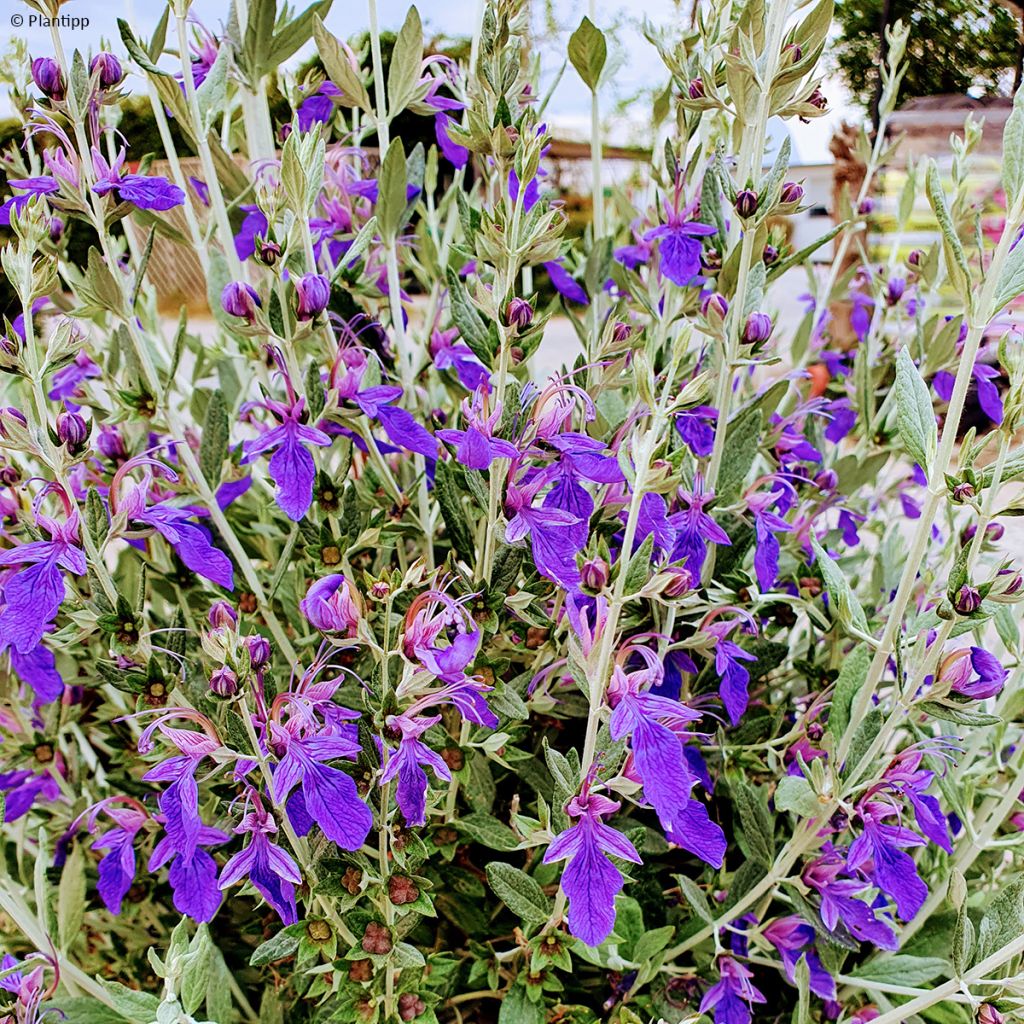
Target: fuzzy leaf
520 892
914 412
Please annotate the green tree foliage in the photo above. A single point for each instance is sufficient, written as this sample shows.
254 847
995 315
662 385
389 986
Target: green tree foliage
954 45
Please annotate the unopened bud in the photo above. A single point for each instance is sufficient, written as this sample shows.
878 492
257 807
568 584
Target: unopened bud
758 329
222 615
746 203
259 650
963 491
621 332
696 89
715 307
72 431
241 300
968 600
519 314
49 78
791 193
988 1014
314 292
109 69
594 574
223 682
678 582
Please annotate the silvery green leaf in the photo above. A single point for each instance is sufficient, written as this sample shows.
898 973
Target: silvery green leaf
757 823
488 831
196 971
518 1008
1011 280
1002 921
339 69
392 184
211 94
754 295
588 53
520 892
772 183
136 1007
1013 150
915 416
71 898
137 52
695 897
359 245
956 260
852 674
295 33
406 59
259 30
902 969
794 793
277 947
213 448
846 607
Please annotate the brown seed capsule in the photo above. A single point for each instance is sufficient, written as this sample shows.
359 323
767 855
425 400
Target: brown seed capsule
360 970
402 890
319 931
454 758
330 555
247 603
410 1006
535 636
351 879
377 939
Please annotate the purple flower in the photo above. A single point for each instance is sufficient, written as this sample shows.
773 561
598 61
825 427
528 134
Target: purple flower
291 465
35 592
142 191
452 354
793 937
551 531
731 997
329 795
190 541
565 284
696 529
679 248
27 187
329 606
314 292
117 866
476 446
456 154
758 329
23 788
696 428
193 875
840 903
38 668
254 225
590 879
407 765
878 850
989 398
66 381
734 678
973 672
270 869
318 108
766 525
842 419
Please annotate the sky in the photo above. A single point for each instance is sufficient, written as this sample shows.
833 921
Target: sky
638 66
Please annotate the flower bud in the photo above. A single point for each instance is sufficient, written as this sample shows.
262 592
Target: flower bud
621 332
1007 587
817 99
222 616
794 51
259 650
715 306
10 420
49 78
314 292
993 533
72 431
988 1014
769 254
56 229
962 491
865 206
916 257
240 299
791 193
758 329
696 89
746 203
268 253
594 574
968 600
329 606
827 480
678 582
519 314
223 682
410 1006
109 68
711 260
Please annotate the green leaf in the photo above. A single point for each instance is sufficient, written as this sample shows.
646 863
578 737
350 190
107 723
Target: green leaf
213 449
1013 150
296 33
639 567
71 899
862 740
756 821
518 1008
846 607
519 892
588 52
210 96
468 320
137 52
449 498
96 521
392 183
956 260
1011 279
794 793
852 674
406 60
197 969
278 947
695 897
85 1010
650 943
902 969
914 413
340 69
136 1007
488 831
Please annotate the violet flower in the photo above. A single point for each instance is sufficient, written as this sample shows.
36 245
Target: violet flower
329 795
732 996
271 870
291 465
476 447
65 383
329 606
679 247
565 284
793 937
143 191
407 765
449 353
696 528
193 875
117 866
553 540
590 879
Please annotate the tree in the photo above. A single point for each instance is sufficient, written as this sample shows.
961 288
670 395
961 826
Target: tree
954 45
